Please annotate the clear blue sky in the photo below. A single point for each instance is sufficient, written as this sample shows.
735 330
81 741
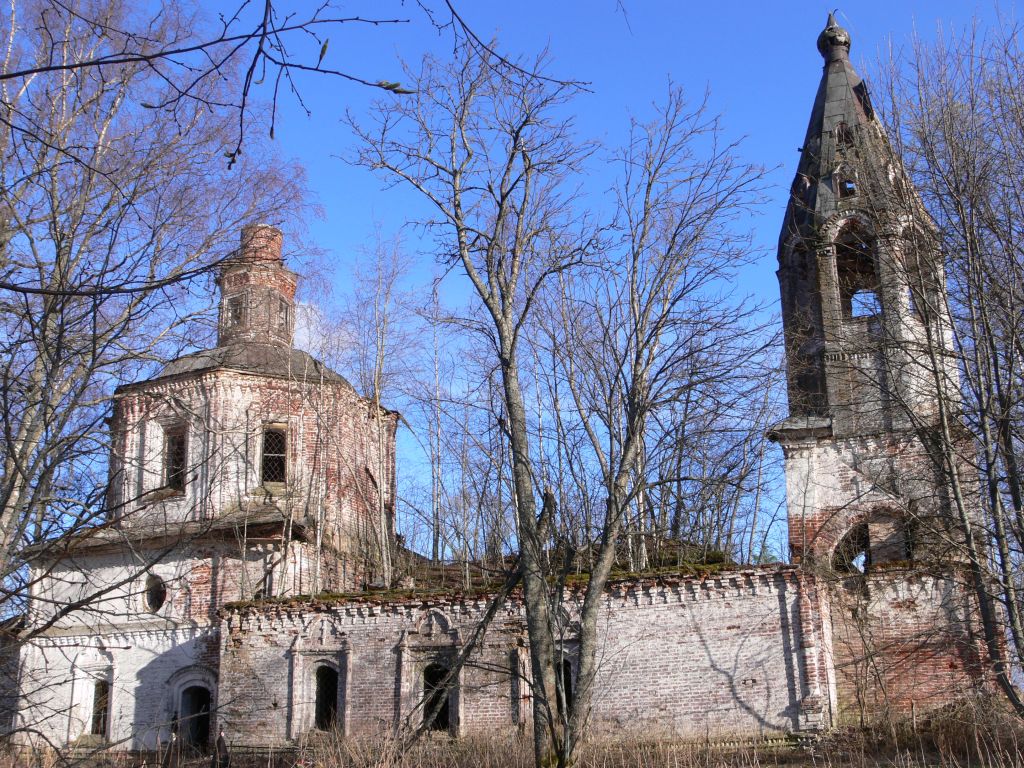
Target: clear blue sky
758 59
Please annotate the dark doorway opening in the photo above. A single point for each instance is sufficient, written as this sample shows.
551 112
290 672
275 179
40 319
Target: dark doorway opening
435 697
326 698
195 717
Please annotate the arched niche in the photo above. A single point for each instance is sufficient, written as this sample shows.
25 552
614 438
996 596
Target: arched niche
321 662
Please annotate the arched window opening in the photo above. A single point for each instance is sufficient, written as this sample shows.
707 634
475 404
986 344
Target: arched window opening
282 315
236 311
195 716
853 554
436 697
156 593
565 694
326 716
844 135
100 708
856 274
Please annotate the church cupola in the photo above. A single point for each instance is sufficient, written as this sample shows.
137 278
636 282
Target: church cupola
257 291
856 257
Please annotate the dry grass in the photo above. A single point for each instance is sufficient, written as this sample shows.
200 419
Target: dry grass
976 734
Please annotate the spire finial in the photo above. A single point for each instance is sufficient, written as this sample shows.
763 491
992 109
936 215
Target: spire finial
834 41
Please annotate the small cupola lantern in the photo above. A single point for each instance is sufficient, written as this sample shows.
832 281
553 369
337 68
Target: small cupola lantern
257 291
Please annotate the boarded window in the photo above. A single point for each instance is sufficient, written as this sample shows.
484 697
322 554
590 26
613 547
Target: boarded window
100 708
274 464
326 715
435 697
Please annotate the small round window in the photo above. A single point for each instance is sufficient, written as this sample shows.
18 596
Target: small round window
156 594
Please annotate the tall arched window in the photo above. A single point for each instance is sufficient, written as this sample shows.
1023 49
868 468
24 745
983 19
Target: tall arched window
100 708
436 697
326 717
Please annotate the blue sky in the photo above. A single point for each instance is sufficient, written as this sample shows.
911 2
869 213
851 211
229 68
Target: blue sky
758 60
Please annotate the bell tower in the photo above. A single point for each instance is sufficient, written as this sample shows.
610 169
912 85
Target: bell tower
866 331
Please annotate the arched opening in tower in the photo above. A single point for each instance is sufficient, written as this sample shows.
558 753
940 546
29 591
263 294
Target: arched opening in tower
856 273
853 553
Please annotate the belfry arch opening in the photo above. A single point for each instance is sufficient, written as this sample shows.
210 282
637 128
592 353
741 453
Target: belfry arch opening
857 273
853 553
885 537
436 698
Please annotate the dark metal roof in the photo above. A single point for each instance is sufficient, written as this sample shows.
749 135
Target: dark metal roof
843 136
155 535
275 360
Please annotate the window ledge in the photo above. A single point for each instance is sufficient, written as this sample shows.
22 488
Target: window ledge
270 489
162 494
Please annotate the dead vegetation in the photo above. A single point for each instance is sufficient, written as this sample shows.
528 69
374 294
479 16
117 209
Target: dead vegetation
979 733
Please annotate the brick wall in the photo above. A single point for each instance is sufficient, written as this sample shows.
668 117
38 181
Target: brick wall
721 656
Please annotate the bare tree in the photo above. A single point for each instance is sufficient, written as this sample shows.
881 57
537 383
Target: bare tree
956 112
486 145
112 220
591 381
648 326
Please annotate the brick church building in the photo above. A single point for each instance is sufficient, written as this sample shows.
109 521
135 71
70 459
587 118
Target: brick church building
250 472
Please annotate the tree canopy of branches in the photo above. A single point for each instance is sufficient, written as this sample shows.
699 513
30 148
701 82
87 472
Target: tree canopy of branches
956 111
606 325
113 216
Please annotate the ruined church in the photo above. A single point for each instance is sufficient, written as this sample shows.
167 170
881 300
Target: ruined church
251 472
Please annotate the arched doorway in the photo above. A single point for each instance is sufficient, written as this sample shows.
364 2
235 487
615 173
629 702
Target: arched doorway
195 717
326 713
435 697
